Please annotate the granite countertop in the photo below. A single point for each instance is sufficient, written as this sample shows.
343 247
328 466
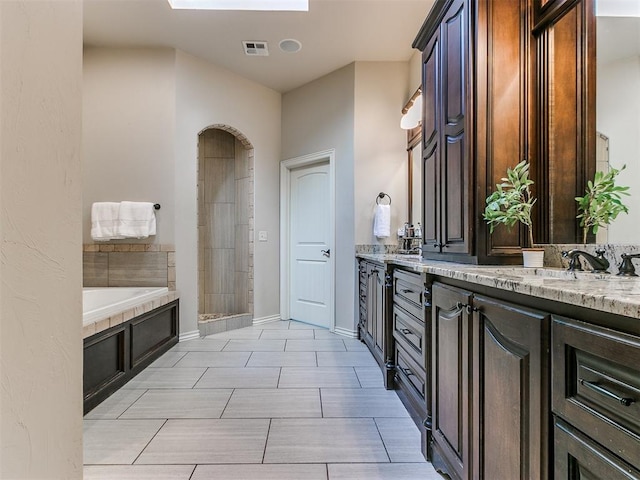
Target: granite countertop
604 292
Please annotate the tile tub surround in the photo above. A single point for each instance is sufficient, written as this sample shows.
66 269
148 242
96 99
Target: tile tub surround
121 317
248 422
129 265
601 292
211 323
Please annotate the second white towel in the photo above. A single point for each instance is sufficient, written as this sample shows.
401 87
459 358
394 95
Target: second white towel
382 221
137 219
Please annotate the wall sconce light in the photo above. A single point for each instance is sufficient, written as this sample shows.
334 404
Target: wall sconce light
412 111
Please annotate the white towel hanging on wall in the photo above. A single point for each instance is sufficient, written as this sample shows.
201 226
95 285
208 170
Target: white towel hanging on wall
137 219
105 221
382 221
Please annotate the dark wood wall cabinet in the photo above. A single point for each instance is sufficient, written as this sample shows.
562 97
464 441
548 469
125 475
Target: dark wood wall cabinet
504 81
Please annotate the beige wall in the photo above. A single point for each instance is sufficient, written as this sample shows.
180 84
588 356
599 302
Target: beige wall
209 95
41 249
128 124
316 117
380 146
415 73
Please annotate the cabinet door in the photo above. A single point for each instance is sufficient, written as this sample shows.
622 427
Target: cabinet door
450 366
379 317
510 393
454 181
431 139
372 272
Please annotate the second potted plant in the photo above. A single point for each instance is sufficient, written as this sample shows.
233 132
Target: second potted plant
511 203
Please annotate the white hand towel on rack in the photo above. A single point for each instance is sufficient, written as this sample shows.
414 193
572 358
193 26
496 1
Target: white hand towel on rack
382 221
137 219
104 221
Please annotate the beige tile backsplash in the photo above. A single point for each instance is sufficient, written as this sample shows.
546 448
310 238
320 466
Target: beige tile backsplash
129 265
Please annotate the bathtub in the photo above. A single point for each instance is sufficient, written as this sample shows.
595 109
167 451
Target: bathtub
124 331
100 303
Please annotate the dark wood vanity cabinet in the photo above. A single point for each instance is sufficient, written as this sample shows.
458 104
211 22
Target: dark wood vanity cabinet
375 301
504 81
596 401
490 394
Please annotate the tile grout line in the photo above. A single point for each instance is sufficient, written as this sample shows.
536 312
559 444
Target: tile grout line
233 391
149 442
206 369
382 439
266 441
133 403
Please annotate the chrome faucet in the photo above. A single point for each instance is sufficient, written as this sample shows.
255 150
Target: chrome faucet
599 264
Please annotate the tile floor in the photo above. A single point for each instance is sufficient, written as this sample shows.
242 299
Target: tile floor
277 401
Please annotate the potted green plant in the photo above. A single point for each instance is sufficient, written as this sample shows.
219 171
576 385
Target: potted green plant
602 202
512 202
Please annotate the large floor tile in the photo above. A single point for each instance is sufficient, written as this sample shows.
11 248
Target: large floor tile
370 377
245 333
401 439
316 377
169 359
117 441
286 334
313 345
177 403
255 346
302 326
138 472
115 405
166 378
277 325
324 440
214 359
346 359
282 359
355 345
274 403
240 378
261 472
200 345
361 402
381 471
207 441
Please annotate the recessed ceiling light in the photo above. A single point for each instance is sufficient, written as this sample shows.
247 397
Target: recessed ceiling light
290 45
269 5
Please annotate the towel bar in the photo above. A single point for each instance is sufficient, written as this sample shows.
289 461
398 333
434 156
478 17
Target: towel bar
156 206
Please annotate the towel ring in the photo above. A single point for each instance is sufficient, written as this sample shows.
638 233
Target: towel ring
156 206
380 196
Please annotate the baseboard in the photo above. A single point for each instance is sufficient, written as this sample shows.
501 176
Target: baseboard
189 335
269 319
345 332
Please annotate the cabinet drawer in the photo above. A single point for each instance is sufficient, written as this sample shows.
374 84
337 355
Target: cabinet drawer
579 457
596 384
408 291
410 332
411 371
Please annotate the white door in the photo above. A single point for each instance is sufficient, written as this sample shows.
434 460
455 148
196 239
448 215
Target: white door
310 262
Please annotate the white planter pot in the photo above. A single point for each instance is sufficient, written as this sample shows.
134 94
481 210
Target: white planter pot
533 257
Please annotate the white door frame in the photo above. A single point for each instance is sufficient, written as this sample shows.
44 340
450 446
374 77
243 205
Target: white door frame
285 240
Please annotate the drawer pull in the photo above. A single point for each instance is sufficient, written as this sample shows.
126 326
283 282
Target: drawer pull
407 290
607 393
406 331
406 371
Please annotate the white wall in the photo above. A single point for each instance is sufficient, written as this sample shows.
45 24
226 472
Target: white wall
415 73
320 116
128 132
208 95
618 117
40 251
381 163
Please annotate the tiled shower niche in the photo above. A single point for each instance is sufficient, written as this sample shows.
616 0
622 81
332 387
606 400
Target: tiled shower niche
225 230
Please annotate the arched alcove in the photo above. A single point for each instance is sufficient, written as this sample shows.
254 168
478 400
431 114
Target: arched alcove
225 230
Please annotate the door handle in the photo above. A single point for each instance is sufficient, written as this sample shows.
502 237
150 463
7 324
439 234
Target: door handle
326 253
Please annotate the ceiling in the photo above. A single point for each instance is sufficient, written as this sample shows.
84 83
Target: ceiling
333 34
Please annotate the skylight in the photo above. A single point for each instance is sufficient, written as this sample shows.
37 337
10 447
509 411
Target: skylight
264 5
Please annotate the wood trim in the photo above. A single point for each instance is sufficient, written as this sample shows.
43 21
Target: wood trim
431 23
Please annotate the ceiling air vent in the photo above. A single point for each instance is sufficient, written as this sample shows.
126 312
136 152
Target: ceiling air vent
255 48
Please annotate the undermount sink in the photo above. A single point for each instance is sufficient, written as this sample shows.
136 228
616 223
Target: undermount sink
558 273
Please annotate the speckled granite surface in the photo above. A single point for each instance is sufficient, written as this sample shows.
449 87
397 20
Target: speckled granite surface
608 293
